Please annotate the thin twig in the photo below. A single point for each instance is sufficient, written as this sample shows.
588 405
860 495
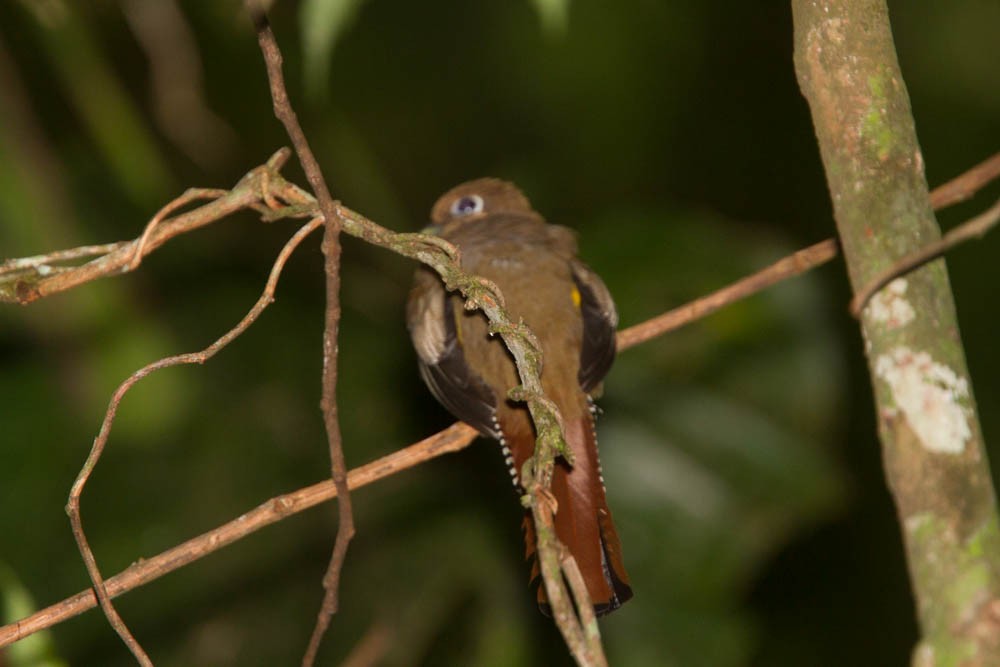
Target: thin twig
572 608
191 195
577 586
73 505
265 184
967 184
784 268
23 263
331 250
958 189
968 230
550 562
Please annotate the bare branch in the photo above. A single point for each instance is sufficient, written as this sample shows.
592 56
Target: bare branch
786 267
582 636
577 586
967 184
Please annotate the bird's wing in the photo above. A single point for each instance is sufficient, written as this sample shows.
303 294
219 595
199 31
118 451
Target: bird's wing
430 318
600 320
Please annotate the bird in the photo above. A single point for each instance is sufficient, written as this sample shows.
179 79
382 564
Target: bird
569 309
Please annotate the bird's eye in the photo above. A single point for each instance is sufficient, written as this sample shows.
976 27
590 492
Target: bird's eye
467 205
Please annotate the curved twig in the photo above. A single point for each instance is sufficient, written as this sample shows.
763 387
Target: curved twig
73 505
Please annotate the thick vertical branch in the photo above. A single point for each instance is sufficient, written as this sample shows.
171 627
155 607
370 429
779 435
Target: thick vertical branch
935 461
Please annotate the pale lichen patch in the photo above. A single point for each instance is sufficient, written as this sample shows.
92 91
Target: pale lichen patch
923 655
929 395
890 306
917 522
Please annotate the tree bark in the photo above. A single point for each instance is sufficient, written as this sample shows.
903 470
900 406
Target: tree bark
933 451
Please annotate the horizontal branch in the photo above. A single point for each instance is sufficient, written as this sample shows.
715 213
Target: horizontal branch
786 267
967 184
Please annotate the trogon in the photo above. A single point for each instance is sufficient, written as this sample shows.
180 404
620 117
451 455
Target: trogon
570 311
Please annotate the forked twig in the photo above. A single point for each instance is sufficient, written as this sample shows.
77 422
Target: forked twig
193 194
968 230
958 189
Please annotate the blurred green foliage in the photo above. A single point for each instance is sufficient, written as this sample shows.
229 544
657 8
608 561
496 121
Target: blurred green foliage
740 452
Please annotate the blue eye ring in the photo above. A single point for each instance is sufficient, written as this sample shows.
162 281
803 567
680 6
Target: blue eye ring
467 205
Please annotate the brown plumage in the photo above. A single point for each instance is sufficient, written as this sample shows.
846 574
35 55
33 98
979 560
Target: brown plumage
571 312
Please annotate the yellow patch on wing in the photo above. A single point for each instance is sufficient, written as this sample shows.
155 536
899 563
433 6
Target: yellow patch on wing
575 295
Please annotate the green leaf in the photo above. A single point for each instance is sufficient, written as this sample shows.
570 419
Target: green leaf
322 23
554 15
37 650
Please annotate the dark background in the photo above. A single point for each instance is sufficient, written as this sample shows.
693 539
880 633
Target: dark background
740 452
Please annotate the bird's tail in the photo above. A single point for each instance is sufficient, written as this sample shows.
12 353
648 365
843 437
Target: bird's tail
583 523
